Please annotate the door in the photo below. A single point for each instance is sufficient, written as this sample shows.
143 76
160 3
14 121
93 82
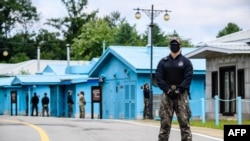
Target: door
130 101
13 102
117 102
2 97
62 101
53 101
227 91
106 91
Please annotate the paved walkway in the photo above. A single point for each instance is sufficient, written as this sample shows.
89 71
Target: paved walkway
201 130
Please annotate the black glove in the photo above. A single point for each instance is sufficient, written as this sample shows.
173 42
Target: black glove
180 90
172 94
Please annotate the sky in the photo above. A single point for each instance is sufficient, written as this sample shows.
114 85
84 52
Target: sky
196 20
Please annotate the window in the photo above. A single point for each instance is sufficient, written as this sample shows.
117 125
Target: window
214 84
241 83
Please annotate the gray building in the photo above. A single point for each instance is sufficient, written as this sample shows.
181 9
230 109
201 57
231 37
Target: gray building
227 73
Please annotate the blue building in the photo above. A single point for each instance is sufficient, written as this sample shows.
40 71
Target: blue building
55 80
123 70
112 85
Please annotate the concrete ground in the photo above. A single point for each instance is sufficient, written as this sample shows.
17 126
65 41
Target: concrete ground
200 130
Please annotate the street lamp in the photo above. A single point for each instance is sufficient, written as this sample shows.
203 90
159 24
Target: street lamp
152 13
4 52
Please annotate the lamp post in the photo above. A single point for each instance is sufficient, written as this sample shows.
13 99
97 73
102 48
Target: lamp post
152 13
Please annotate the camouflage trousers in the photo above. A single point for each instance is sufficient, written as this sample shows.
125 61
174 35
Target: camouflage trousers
45 109
180 106
70 109
146 108
82 111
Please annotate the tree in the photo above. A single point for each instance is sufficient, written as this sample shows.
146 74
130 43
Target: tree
230 28
89 43
162 39
71 24
126 35
16 18
51 46
19 57
159 37
16 12
112 29
21 49
114 19
184 42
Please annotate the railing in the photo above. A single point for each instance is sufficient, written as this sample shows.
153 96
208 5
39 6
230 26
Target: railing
217 99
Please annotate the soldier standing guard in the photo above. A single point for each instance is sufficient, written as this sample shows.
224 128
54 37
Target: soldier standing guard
146 101
34 101
70 103
45 104
82 104
174 75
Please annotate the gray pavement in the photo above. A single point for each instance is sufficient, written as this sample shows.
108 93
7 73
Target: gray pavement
64 129
199 130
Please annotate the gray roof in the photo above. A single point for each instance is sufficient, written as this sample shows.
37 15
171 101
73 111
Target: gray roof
241 36
62 69
219 49
236 43
31 66
138 58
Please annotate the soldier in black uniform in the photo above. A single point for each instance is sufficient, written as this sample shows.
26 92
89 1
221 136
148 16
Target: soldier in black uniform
34 101
146 93
70 104
45 104
174 75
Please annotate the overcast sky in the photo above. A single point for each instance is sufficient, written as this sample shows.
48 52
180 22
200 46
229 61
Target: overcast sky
197 20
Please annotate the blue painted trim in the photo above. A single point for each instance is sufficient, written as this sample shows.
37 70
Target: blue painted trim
203 110
239 110
216 110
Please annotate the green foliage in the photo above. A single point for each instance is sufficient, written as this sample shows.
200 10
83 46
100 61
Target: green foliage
19 57
84 31
51 46
14 12
71 24
126 35
184 42
89 43
159 37
114 19
162 39
230 28
24 72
